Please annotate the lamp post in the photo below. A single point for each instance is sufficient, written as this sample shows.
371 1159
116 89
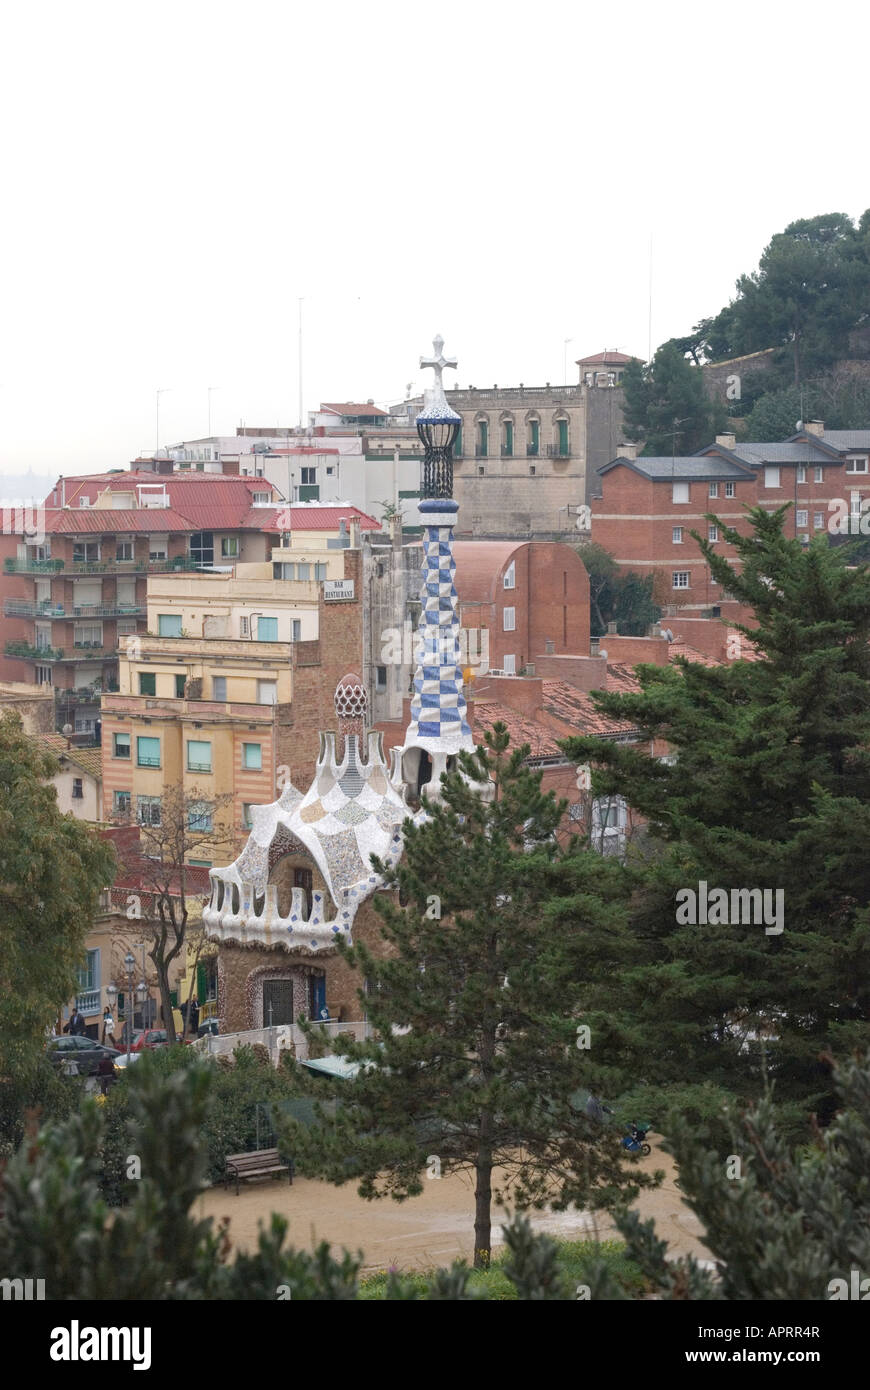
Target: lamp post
437 425
140 994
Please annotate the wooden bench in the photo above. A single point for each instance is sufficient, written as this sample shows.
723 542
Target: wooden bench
259 1164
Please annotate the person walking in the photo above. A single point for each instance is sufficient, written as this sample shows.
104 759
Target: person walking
108 1027
76 1025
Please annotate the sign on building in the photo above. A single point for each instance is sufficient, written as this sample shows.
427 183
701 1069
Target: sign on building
334 589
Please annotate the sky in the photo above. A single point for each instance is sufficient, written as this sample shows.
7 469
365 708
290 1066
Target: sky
178 176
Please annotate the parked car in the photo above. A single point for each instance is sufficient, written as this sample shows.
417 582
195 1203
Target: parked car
84 1052
146 1039
208 1028
121 1060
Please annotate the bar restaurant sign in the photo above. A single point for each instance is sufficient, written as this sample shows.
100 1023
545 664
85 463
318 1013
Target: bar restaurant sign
334 590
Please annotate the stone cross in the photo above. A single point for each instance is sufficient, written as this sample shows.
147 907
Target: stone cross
438 362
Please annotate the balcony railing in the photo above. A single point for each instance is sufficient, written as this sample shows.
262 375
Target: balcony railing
88 1001
557 451
481 451
26 608
144 761
507 451
23 651
193 766
532 451
183 563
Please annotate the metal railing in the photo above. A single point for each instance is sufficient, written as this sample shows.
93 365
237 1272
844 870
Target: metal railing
183 563
25 608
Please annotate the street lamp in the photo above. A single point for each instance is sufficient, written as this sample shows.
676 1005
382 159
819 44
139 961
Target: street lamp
140 994
437 426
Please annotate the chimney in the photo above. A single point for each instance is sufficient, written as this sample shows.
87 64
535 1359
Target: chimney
611 628
396 532
549 646
728 441
354 533
593 645
627 451
816 427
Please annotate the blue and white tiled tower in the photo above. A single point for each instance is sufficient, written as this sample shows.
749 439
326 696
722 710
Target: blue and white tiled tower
439 726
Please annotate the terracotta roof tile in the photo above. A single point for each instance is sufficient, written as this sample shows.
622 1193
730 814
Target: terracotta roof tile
88 759
522 729
576 710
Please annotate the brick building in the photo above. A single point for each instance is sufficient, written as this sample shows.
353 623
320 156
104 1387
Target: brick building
647 507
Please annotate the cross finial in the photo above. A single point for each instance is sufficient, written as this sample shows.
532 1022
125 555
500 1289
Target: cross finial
438 362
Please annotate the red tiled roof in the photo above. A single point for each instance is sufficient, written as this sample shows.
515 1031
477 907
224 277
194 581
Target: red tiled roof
304 518
106 521
575 708
604 359
478 566
88 759
622 678
680 648
522 729
352 408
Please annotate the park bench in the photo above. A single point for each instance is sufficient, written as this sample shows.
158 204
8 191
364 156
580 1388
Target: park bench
259 1164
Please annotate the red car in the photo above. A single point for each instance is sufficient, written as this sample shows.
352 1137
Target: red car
147 1039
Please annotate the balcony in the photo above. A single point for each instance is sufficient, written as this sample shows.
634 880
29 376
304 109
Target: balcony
557 451
88 1001
507 451
532 451
111 566
25 608
481 451
23 651
198 767
143 760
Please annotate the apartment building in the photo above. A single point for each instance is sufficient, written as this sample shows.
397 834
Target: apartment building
74 582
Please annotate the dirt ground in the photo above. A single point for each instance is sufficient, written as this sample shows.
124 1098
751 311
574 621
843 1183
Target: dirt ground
430 1230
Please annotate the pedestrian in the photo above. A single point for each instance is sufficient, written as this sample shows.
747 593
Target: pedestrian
106 1073
108 1027
76 1023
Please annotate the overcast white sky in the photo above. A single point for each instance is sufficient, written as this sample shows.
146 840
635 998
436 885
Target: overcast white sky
177 175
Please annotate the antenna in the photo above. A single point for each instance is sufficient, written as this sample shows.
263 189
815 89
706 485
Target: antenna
649 325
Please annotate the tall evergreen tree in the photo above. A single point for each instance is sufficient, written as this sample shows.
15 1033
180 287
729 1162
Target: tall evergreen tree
52 871
475 1004
770 790
666 404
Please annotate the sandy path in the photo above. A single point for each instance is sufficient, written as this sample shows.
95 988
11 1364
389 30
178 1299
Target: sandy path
426 1231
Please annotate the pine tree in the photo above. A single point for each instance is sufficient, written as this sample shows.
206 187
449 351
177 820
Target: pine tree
770 790
480 1044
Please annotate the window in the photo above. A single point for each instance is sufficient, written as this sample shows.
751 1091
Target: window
562 438
148 810
507 447
157 547
380 678
677 535
482 439
481 470
147 751
714 490
147 683
202 548
261 499
88 634
712 533
510 620
124 550
252 756
89 978
283 571
86 552
267 629
78 790
729 489
510 576
532 470
802 518
857 465
120 745
244 626
320 571
199 816
247 822
43 637
267 692
84 501
180 682
84 726
819 520
230 546
303 571
219 687
534 438
309 477
198 755
121 803
771 475
681 579
510 665
818 474
802 473
126 627
169 624
680 492
43 675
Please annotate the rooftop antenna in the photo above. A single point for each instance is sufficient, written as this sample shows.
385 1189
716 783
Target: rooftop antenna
649 324
300 362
